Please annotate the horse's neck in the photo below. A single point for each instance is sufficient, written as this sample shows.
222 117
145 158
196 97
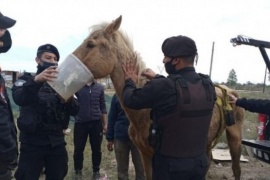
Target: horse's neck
118 80
124 54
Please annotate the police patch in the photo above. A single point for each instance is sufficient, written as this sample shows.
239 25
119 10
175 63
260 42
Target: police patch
19 82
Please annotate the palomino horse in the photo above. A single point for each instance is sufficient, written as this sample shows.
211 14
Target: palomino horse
104 51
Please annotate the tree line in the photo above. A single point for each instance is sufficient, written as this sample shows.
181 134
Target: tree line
249 86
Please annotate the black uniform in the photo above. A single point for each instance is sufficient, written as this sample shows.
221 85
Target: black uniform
8 133
258 106
162 95
255 105
43 116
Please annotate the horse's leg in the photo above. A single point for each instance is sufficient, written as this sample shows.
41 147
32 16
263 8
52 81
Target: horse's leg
214 128
234 138
147 163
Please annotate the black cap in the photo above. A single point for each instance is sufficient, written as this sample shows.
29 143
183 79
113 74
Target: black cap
6 22
179 46
49 48
6 42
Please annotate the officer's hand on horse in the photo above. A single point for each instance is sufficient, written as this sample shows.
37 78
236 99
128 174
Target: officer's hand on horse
148 73
232 99
48 74
130 72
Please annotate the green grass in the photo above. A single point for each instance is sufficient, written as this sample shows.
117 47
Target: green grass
108 163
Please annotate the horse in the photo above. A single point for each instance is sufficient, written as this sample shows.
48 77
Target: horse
104 52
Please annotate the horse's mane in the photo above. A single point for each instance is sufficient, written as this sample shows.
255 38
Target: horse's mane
123 46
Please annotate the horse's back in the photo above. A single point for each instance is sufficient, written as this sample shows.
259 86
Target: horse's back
228 90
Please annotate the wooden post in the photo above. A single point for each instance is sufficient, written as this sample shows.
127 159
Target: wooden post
264 79
211 59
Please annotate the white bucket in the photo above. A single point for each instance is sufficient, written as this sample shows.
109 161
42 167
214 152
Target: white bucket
72 76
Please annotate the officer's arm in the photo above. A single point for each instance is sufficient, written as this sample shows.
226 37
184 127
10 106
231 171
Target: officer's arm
146 97
25 90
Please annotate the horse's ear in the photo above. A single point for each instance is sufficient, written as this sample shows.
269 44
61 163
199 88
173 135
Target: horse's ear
114 26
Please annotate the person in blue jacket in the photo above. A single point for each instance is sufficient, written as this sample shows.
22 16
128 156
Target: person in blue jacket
117 136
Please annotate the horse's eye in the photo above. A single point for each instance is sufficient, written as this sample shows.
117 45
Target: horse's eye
90 44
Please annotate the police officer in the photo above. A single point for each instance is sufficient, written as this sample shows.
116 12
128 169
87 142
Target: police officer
182 106
43 117
8 131
5 38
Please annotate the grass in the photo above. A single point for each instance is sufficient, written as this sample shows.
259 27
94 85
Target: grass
108 163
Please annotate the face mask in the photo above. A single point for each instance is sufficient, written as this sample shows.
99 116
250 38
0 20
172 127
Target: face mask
48 64
45 66
169 67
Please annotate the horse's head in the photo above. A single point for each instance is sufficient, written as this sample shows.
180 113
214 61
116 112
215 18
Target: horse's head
106 49
100 50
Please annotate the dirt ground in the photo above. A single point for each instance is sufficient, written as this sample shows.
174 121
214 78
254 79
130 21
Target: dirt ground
251 170
219 170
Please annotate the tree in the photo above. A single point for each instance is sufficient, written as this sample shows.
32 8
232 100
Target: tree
232 79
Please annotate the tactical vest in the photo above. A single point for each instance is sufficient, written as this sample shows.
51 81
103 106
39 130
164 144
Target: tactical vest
52 112
184 131
47 114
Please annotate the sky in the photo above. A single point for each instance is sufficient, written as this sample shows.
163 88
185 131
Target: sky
65 24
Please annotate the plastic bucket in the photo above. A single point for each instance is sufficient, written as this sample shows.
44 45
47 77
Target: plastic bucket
72 76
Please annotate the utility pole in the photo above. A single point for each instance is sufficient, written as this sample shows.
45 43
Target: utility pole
211 59
264 82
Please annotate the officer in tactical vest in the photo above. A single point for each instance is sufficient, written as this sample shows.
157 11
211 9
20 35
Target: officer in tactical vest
43 117
182 106
8 131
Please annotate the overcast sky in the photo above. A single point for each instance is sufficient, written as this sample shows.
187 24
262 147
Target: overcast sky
65 23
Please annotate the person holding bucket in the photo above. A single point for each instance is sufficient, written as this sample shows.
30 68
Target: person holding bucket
43 116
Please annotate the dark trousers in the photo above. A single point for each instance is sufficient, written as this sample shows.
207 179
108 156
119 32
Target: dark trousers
33 158
5 173
167 168
81 132
122 150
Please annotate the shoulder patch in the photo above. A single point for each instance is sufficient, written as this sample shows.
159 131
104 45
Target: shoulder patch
19 82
